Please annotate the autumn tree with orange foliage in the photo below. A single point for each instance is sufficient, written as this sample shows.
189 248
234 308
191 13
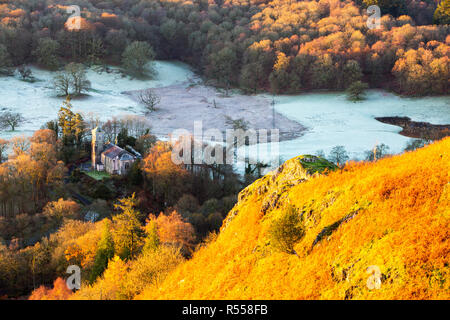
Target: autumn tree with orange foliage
32 171
58 292
57 211
167 179
425 70
172 230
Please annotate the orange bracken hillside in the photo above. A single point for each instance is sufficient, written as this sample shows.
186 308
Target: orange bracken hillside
392 216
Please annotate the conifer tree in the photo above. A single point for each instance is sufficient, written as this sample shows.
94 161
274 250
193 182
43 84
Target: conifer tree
105 252
128 233
152 240
71 124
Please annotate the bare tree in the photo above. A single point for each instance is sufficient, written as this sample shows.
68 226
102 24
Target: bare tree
25 73
135 125
62 83
150 99
92 120
338 155
378 152
79 82
10 119
73 78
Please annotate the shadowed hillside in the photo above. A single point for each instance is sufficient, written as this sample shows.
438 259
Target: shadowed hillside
391 216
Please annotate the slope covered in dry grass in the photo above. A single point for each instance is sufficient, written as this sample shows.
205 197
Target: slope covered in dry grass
392 214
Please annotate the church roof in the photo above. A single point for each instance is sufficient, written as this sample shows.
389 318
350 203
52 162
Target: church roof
126 156
112 151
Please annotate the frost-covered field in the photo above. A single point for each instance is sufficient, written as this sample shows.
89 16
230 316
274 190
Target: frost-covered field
38 104
329 118
183 104
333 120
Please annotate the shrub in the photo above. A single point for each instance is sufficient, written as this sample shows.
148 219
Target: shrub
286 231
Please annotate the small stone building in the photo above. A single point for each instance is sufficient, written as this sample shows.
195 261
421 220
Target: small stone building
116 160
109 157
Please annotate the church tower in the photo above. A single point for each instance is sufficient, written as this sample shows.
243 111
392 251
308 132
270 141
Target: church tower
97 146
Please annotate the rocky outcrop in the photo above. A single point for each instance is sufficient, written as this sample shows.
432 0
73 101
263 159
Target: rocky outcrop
274 187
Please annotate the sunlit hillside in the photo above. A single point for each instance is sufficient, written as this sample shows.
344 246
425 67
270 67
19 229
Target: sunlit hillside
390 216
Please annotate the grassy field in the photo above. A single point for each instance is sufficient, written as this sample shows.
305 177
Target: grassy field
97 175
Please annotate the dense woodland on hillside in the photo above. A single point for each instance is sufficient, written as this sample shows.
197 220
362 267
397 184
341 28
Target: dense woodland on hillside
281 46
